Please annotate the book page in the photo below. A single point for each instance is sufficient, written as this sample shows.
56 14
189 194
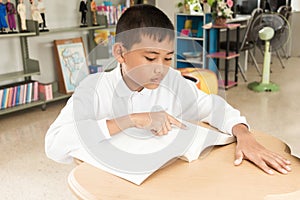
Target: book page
135 154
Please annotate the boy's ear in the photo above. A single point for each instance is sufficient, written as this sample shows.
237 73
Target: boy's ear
117 52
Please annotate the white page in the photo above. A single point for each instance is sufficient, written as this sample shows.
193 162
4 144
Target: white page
143 153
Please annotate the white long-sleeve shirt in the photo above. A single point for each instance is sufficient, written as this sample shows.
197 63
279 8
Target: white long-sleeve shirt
104 96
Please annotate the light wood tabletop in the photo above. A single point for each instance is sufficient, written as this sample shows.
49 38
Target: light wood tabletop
210 177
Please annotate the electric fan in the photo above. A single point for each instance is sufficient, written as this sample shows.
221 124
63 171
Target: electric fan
271 32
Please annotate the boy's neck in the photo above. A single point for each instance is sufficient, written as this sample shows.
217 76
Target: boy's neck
130 83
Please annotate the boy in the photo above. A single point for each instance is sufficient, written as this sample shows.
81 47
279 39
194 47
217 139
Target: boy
144 92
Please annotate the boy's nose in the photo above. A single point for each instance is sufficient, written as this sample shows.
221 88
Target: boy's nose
158 68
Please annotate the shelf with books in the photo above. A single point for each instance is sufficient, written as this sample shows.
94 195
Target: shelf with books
18 95
32 67
22 94
21 107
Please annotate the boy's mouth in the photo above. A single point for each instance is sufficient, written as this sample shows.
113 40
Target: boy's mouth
156 80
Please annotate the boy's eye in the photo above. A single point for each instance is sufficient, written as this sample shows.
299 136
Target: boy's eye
149 59
168 59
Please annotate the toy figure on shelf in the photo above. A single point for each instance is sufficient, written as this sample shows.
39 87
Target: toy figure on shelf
35 14
11 11
3 24
42 9
83 9
21 9
94 12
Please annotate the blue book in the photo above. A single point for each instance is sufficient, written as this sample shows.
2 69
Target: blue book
29 92
1 97
18 95
4 98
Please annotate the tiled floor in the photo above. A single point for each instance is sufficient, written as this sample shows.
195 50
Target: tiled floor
26 173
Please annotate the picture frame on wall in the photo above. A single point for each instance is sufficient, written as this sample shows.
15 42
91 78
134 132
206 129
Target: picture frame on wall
71 63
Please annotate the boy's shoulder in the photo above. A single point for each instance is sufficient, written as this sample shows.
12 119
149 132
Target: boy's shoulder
97 78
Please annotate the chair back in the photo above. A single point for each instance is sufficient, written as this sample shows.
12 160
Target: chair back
285 11
247 37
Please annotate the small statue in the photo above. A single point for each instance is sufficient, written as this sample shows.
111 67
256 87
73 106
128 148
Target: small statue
21 8
35 14
42 9
83 9
11 11
3 23
94 12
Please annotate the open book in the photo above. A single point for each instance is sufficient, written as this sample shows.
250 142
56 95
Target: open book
135 153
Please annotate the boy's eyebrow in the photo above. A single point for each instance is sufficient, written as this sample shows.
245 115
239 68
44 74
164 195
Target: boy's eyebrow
155 52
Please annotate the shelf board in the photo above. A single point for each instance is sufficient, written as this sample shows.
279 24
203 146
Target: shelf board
70 29
229 26
190 61
229 85
186 14
222 55
56 97
17 34
189 38
19 74
21 107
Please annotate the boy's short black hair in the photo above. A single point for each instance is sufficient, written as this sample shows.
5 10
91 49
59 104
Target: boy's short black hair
144 20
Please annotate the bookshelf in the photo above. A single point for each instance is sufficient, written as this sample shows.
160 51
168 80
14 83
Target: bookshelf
31 67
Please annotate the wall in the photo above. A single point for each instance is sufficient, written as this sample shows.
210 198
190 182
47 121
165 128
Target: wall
169 7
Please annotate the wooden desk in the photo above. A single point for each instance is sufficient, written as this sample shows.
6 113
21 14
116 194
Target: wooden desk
211 177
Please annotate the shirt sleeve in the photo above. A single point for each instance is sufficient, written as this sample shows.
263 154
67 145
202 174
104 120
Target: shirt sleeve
214 110
76 127
104 129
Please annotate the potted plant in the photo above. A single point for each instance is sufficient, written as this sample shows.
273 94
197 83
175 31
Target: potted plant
190 6
220 10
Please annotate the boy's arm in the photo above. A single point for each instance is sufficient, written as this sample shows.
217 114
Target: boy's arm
249 149
159 123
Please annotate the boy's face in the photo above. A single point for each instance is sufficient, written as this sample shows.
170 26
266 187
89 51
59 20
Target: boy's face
147 63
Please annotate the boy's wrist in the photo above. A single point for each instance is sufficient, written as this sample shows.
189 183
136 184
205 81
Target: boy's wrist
132 120
239 130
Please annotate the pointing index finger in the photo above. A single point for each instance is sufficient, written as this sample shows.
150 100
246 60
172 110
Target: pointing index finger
177 123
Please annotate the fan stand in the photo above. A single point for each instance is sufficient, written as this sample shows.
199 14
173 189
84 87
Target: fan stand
265 85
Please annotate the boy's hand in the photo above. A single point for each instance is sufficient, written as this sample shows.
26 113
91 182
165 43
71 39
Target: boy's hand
159 123
249 149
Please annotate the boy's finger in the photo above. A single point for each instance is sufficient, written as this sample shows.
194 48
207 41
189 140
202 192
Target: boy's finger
177 123
168 125
238 158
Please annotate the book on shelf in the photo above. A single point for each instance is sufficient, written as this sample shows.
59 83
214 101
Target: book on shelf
45 91
1 95
24 94
17 93
4 98
21 94
152 152
9 100
95 68
29 92
35 91
14 96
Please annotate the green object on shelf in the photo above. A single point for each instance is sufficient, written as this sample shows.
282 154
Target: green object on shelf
263 87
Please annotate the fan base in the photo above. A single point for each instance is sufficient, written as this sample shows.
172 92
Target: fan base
263 87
